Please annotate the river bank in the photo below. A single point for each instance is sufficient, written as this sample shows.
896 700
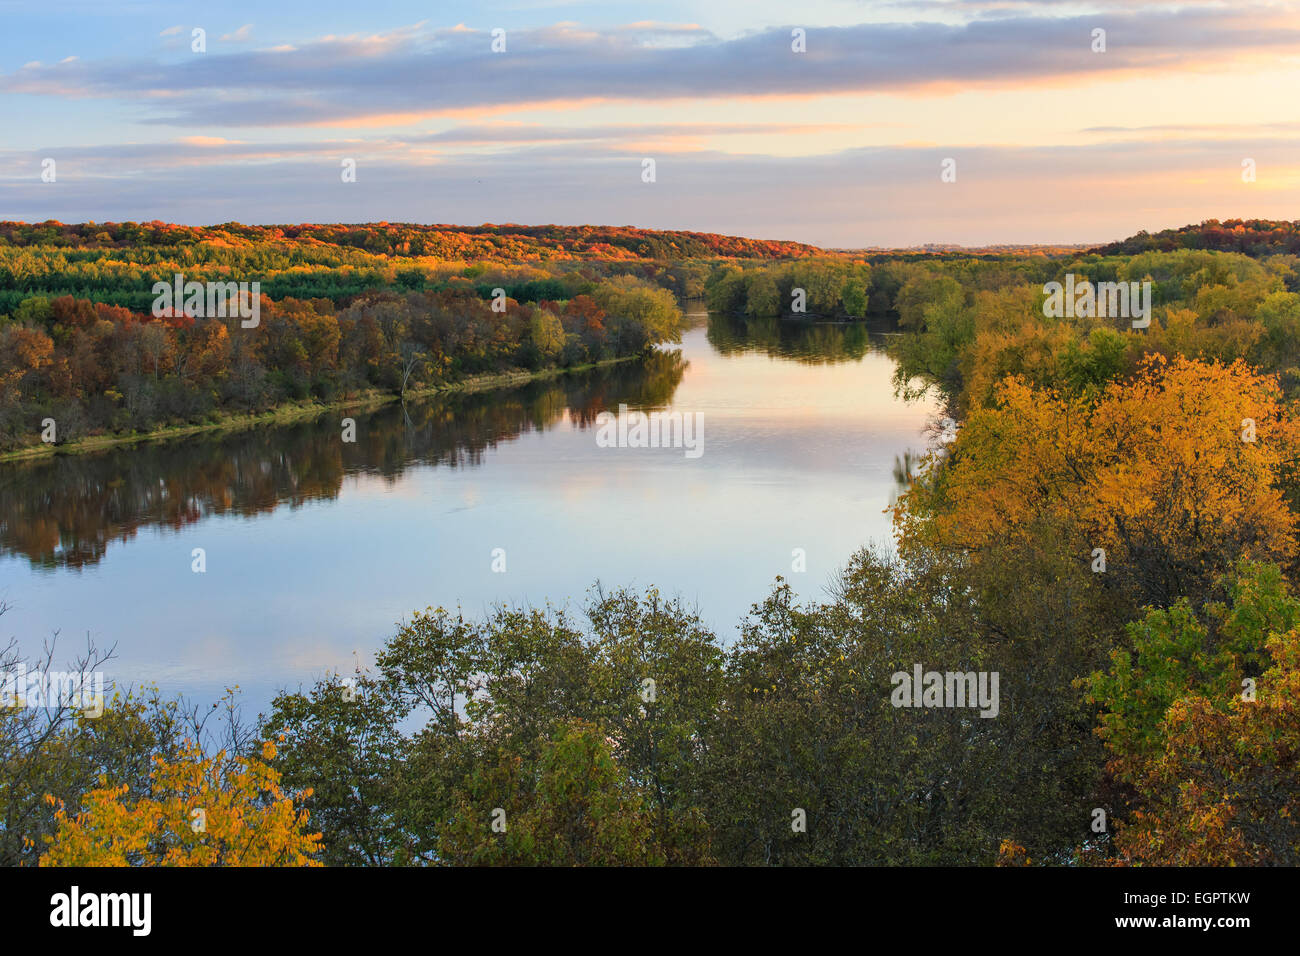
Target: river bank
298 411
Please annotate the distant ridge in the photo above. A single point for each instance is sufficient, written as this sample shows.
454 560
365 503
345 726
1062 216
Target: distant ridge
513 242
505 242
1253 237
952 248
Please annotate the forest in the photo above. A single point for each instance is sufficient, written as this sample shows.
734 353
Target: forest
81 344
345 312
1112 525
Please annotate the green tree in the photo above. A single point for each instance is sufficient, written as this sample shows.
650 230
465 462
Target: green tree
578 809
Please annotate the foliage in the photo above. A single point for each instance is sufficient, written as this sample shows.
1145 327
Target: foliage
1200 719
98 368
830 287
1112 531
202 812
1156 473
579 810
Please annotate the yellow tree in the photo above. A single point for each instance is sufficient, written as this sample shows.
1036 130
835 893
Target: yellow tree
1173 476
202 811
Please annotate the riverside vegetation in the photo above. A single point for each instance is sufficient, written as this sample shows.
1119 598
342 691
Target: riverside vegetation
1111 528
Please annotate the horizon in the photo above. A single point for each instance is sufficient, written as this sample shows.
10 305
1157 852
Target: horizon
834 130
936 245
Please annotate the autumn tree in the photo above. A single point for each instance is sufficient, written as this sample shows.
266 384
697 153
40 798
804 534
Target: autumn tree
23 353
202 811
652 309
1201 720
1173 477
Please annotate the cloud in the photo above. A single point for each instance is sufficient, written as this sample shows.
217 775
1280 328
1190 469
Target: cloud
242 35
506 134
415 72
730 158
1234 130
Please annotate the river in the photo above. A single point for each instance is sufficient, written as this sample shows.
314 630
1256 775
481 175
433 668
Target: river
315 547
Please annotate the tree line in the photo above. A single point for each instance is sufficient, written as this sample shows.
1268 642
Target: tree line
96 368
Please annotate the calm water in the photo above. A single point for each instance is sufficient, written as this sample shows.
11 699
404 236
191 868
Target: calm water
316 547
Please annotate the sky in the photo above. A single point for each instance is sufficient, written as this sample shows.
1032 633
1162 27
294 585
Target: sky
1190 112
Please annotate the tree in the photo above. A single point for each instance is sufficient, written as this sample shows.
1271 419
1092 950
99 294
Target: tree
153 339
340 747
725 290
853 296
656 682
821 280
23 351
1089 367
202 811
654 309
808 724
1175 476
579 810
546 332
762 298
414 358
1202 721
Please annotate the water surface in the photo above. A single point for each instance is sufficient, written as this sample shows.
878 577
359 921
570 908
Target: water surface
316 547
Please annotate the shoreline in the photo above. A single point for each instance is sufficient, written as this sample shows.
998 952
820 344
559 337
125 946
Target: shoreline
297 411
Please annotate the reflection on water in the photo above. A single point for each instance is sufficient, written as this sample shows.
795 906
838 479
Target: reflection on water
315 547
65 511
816 343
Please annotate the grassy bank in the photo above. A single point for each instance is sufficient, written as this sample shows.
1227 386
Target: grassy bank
296 411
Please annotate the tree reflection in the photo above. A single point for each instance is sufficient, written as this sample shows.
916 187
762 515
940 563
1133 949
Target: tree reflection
812 343
65 511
